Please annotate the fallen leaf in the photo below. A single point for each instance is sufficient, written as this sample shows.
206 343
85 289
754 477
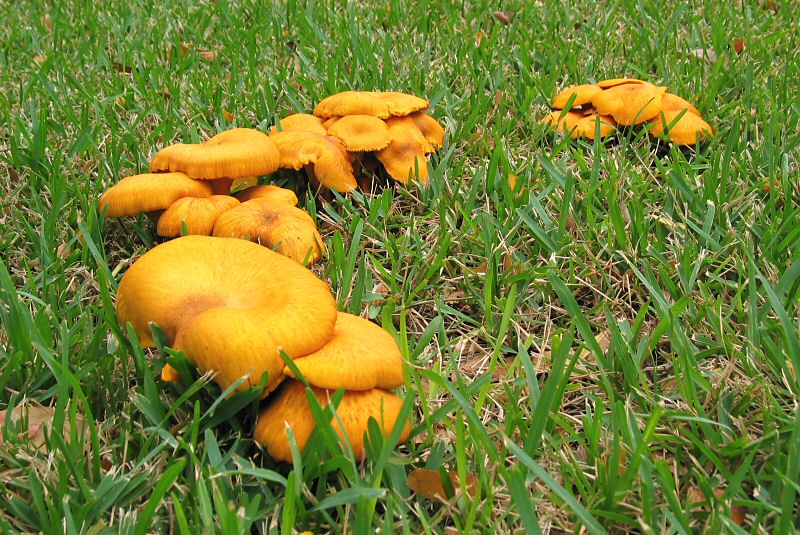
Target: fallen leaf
381 289
39 420
228 116
738 45
771 5
498 97
738 514
46 22
296 84
478 38
185 47
503 17
428 483
208 55
39 59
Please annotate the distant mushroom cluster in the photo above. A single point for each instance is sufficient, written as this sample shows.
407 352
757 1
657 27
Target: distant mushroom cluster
232 307
355 132
589 110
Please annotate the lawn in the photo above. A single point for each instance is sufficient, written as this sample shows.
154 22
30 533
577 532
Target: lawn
610 342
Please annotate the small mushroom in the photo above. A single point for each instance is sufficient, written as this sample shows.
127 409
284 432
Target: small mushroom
286 229
670 102
236 153
630 103
359 356
268 191
580 125
379 104
361 133
328 156
198 214
229 305
404 157
149 192
301 121
290 409
583 95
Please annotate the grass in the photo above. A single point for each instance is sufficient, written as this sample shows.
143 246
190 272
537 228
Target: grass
610 345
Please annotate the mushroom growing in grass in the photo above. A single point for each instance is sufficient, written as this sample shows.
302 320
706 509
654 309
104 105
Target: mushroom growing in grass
278 225
584 94
325 156
580 124
376 103
150 192
630 103
229 305
268 191
361 133
404 158
290 409
197 215
300 121
240 153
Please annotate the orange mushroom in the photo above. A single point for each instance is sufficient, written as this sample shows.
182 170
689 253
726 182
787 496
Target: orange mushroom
330 160
269 191
300 121
681 127
198 214
630 103
361 133
404 157
579 124
376 103
149 192
583 95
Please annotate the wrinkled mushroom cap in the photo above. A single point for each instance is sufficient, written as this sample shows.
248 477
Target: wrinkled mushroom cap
359 356
198 214
228 304
236 153
630 103
269 191
331 162
405 155
583 95
688 130
290 408
300 121
288 230
361 133
148 192
376 103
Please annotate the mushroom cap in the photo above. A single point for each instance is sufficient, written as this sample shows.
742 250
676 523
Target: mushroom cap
564 121
405 155
612 82
268 191
236 153
300 121
330 121
377 103
670 102
228 304
361 133
148 192
689 129
630 103
290 408
583 95
328 155
359 356
199 214
286 229
430 128
410 124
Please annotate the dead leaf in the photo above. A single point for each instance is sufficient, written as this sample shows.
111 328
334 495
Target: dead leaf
738 45
208 55
771 5
296 84
63 250
478 38
39 420
39 59
498 97
738 514
46 22
381 289
503 17
185 47
228 116
428 483
703 53
120 101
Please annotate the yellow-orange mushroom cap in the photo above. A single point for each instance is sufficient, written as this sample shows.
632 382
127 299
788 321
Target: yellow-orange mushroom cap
670 102
688 130
430 128
327 154
330 121
198 214
359 356
290 408
228 304
148 192
405 155
613 82
236 153
269 191
630 103
300 121
583 95
376 103
288 230
361 133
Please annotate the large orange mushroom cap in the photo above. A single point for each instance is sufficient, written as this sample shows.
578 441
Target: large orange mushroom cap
583 95
300 121
430 128
670 102
361 133
288 230
228 304
564 121
359 356
630 103
290 408
405 155
149 192
236 153
269 191
327 154
687 130
376 103
198 214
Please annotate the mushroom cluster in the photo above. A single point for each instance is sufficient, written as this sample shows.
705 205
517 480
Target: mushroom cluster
233 307
356 131
189 189
591 110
